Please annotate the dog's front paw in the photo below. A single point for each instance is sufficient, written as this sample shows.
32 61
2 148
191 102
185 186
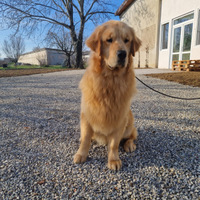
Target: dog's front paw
79 158
114 164
129 146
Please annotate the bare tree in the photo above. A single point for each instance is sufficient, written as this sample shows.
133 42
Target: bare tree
13 48
61 40
36 48
32 16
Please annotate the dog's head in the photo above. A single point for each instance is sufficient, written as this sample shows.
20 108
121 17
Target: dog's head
114 41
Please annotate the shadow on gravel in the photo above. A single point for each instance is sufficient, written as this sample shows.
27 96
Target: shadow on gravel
154 149
162 149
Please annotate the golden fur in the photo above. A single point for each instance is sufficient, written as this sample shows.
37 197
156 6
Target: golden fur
107 89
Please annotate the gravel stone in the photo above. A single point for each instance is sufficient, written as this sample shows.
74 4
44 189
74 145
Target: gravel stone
39 135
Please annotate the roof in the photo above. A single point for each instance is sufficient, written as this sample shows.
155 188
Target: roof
42 49
84 53
123 7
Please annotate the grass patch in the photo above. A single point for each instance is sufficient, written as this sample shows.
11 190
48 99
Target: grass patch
186 78
12 67
22 70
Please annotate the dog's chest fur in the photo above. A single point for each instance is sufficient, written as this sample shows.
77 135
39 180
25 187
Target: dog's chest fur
107 100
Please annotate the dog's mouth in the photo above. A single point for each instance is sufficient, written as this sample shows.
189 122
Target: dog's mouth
111 68
120 65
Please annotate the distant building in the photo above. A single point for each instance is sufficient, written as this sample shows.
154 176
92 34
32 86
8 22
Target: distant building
169 30
6 60
85 55
45 56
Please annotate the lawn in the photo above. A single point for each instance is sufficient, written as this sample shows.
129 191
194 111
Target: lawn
22 70
186 78
11 66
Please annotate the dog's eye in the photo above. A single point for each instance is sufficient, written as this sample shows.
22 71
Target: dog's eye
126 40
109 40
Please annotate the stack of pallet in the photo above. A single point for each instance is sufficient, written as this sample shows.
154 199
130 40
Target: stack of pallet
186 65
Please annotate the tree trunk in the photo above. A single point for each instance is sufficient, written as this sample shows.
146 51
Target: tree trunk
78 49
69 62
78 57
66 62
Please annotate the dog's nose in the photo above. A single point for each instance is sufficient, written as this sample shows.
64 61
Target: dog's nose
121 54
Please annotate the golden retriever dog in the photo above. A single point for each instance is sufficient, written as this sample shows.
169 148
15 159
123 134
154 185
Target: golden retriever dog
107 89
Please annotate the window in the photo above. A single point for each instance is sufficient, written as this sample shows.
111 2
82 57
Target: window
198 30
183 19
165 28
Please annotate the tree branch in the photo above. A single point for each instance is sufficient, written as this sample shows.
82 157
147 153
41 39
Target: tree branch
90 8
97 12
61 8
76 9
37 17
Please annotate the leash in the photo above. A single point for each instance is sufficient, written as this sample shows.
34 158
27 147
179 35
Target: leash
189 99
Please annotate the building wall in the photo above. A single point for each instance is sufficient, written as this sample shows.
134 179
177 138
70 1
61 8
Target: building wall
143 16
55 57
32 57
172 9
43 57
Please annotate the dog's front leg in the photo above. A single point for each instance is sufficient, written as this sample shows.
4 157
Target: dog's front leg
114 162
86 135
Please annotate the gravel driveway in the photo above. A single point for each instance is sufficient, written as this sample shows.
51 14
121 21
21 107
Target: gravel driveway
39 135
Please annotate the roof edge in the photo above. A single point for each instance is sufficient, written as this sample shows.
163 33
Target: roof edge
123 7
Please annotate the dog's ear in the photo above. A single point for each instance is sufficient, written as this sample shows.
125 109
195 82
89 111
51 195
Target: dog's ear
136 43
94 41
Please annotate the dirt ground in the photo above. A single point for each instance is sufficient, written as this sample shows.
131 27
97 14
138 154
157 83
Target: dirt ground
185 78
23 72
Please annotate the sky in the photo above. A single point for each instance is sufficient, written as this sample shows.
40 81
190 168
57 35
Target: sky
30 43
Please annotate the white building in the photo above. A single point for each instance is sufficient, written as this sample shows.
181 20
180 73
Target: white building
44 56
180 20
169 30
48 56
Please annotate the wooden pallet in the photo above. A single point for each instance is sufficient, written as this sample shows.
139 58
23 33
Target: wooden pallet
186 65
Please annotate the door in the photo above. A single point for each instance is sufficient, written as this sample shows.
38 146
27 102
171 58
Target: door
182 40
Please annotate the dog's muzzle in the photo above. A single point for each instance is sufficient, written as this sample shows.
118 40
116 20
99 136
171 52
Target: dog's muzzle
121 55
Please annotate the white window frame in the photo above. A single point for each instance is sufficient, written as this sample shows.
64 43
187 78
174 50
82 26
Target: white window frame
162 31
198 28
172 33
